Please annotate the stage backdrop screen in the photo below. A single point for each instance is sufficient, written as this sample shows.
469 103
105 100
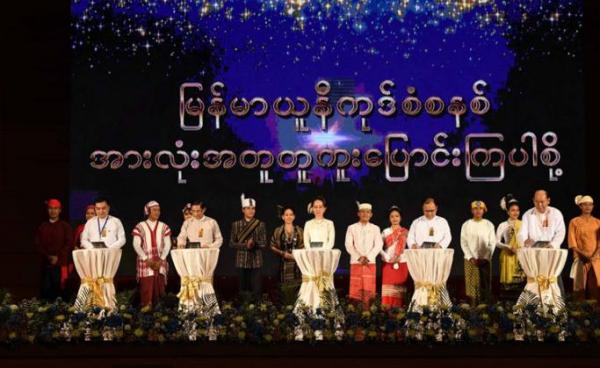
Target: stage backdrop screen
386 102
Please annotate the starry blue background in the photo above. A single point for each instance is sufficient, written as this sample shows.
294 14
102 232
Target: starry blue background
129 58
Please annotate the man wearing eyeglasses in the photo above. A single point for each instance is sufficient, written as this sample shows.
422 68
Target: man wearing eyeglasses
429 230
543 225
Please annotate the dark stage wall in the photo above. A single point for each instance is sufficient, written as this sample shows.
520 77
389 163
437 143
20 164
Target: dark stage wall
34 135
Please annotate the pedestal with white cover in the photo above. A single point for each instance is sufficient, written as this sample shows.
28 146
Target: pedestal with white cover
318 267
196 268
543 268
96 269
430 269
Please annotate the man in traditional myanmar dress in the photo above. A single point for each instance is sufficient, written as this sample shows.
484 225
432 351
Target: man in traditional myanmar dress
200 230
363 243
103 228
478 241
542 225
584 239
249 237
152 243
429 230
53 241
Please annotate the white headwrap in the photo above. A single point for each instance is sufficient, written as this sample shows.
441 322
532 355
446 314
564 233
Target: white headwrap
364 206
150 205
506 201
583 199
247 202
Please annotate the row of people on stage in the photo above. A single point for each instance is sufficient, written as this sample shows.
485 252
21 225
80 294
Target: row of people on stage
540 226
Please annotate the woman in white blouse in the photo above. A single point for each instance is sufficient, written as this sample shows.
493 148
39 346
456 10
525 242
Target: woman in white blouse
319 232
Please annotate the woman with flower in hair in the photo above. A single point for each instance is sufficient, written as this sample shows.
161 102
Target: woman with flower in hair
187 211
511 274
319 232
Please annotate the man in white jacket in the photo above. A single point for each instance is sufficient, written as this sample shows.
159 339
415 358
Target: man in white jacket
363 243
543 225
429 230
103 228
478 241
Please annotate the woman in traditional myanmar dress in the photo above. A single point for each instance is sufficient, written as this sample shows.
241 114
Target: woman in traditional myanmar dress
511 274
319 232
284 240
394 271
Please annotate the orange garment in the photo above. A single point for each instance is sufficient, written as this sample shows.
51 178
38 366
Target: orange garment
584 234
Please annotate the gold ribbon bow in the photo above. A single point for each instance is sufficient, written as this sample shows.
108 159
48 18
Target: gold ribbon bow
321 280
543 281
543 284
96 286
433 291
190 286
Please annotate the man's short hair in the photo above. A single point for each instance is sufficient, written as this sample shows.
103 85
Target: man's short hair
429 200
199 203
101 199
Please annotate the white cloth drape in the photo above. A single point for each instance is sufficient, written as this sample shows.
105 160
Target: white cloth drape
430 269
96 269
196 268
318 267
542 267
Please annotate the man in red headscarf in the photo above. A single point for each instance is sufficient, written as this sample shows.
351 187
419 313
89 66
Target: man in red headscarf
53 241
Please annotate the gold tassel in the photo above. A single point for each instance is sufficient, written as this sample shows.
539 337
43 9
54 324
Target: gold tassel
433 291
96 286
321 280
190 286
543 281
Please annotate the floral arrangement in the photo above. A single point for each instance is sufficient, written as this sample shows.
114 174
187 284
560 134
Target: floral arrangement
262 322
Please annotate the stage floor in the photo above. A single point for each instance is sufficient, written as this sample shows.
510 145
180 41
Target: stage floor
301 354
